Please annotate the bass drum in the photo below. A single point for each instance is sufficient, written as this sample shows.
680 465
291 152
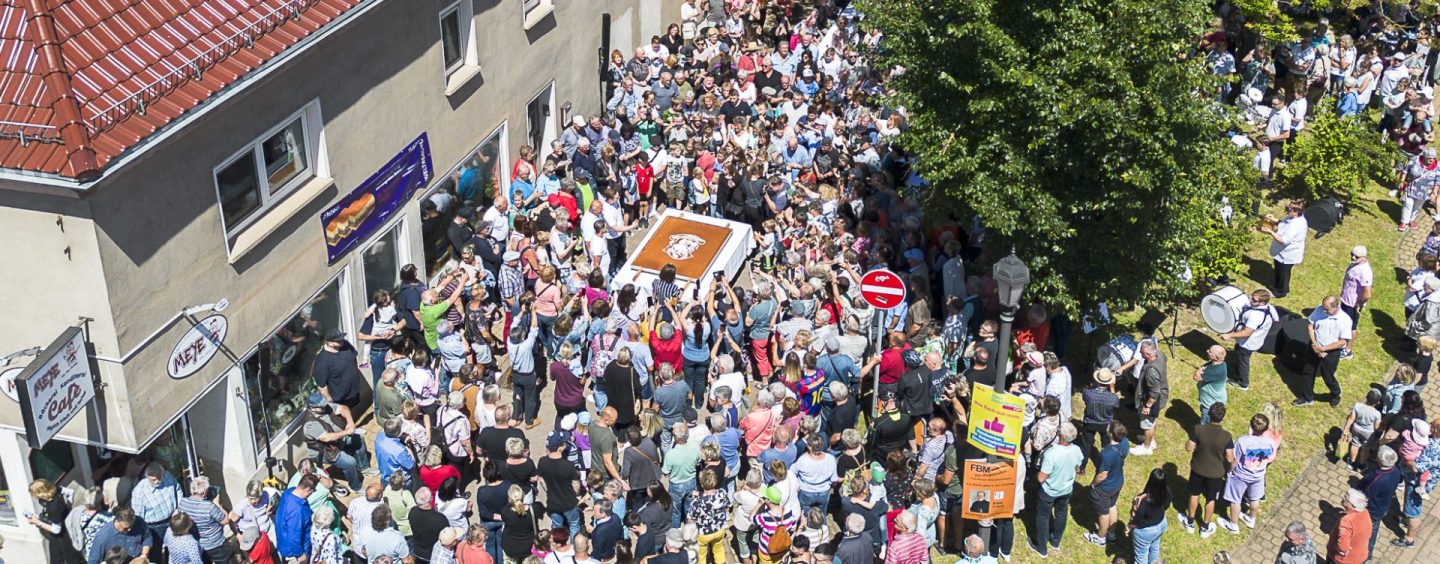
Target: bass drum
1221 308
1116 353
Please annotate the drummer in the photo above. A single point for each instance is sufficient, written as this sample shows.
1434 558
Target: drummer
1253 324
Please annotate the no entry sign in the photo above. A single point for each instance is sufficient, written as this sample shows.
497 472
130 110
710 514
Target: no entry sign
882 289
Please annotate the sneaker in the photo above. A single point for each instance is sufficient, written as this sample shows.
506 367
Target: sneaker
1141 450
1346 354
1227 525
1207 530
1188 523
1301 402
1005 556
1402 227
1036 549
1402 543
1247 520
371 472
1239 386
1335 400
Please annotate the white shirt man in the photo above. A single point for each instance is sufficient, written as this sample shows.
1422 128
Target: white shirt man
1330 332
499 221
1280 124
1256 319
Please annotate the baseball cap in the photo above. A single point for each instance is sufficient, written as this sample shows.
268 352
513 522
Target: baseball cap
511 256
335 335
315 400
1035 358
248 537
449 535
915 254
1360 251
583 418
772 494
578 120
568 422
555 442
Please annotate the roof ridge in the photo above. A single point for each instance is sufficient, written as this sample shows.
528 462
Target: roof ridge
79 151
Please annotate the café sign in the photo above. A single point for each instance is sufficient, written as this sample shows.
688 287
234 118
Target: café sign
197 346
55 387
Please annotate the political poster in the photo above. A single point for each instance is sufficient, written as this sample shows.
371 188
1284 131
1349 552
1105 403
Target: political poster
995 420
989 489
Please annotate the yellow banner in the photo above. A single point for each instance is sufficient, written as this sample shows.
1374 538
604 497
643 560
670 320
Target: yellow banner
995 420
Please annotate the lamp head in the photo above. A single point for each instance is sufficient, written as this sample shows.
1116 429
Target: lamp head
1011 276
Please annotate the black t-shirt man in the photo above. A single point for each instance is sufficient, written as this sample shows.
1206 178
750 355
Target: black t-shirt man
492 441
892 431
916 397
339 372
426 524
842 417
559 476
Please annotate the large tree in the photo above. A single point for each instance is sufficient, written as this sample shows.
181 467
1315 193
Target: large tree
1084 133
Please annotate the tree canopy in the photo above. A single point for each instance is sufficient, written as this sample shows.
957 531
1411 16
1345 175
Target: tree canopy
1084 133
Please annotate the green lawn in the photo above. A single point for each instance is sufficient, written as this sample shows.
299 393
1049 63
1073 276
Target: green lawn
1370 222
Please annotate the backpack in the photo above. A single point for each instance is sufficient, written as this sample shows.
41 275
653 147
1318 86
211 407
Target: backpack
779 543
602 354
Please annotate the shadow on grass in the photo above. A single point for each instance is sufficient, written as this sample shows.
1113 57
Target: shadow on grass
1196 341
1260 271
1394 342
1183 413
1390 208
1402 276
1292 374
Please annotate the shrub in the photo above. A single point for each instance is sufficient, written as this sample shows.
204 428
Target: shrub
1335 157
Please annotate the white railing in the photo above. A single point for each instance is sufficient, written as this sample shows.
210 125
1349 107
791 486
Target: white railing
196 66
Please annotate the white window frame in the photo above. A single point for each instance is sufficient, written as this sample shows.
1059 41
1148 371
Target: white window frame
501 132
312 127
532 11
460 72
402 251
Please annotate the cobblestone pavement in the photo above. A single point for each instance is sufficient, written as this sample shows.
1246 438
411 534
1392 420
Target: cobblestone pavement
1314 498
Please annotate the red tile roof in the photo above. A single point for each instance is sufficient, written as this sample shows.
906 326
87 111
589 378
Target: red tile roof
82 81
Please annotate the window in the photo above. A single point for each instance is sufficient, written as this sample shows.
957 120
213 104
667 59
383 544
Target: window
267 169
471 183
450 39
540 121
536 10
382 263
457 45
8 514
277 374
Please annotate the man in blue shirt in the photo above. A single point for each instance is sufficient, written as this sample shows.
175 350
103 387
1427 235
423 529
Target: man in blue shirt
292 519
1109 478
525 188
605 531
1379 486
125 532
390 452
729 440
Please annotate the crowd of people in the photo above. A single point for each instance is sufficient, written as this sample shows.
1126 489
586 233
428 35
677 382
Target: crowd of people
779 418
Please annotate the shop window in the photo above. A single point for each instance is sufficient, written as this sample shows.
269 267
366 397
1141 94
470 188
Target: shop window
382 263
266 170
8 514
278 375
470 184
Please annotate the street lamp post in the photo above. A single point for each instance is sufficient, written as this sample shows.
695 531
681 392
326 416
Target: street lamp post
1011 276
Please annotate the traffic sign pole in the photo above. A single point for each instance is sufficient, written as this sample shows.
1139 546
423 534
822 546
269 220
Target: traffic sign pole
883 290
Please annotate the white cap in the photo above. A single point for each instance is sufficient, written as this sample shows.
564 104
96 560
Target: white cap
1360 251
